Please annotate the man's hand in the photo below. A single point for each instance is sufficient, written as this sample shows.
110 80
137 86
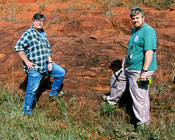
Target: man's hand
26 60
143 76
50 67
50 63
30 65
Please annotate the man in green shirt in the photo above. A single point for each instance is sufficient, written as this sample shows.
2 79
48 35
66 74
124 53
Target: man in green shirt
139 63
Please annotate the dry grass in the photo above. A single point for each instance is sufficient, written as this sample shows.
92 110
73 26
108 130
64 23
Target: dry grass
158 4
9 10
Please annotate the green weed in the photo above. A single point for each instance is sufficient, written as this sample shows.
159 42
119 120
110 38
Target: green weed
72 120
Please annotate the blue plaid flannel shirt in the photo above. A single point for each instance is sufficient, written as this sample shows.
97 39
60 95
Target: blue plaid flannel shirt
36 49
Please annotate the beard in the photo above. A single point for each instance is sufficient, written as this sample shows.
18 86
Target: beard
138 24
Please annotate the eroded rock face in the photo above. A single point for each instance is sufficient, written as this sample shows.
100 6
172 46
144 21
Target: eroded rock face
85 25
85 47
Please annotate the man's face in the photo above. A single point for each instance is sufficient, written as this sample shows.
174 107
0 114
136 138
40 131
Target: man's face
138 20
38 24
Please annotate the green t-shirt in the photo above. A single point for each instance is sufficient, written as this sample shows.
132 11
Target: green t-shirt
141 41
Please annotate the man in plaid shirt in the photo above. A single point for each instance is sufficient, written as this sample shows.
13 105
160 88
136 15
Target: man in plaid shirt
34 49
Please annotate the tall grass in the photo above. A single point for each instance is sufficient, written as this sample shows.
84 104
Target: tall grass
158 4
61 120
10 10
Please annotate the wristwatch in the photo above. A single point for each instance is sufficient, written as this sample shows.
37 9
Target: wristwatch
143 70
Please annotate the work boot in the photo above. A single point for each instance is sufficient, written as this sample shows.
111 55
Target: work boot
59 95
104 98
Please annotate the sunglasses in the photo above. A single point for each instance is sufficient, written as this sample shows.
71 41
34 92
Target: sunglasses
136 9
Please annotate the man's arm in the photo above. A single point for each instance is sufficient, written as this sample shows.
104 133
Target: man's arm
123 63
26 61
147 62
50 65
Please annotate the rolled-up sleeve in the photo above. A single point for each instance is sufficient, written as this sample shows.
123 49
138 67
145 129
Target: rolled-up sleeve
23 42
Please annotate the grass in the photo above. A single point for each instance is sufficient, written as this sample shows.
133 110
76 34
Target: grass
158 4
61 120
107 4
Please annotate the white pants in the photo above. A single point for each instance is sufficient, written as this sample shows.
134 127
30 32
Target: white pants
139 94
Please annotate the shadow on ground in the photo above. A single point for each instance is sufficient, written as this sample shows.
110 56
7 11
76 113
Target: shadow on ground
45 84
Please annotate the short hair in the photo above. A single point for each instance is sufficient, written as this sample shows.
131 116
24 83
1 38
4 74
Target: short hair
135 11
39 16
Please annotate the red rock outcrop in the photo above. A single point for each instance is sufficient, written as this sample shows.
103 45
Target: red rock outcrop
86 45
